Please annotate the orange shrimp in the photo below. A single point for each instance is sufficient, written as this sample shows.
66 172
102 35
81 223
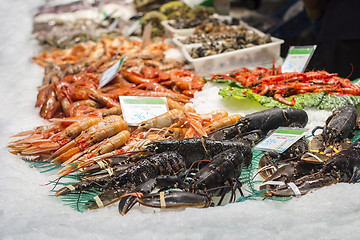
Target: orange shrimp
136 77
50 142
42 95
172 118
102 98
153 86
108 127
137 142
112 111
209 118
64 100
281 99
196 128
175 133
50 106
82 107
36 136
106 146
222 122
172 95
176 105
186 80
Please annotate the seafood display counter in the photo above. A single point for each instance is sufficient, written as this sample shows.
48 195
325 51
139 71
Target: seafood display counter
202 152
91 142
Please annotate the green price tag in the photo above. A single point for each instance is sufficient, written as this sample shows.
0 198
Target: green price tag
298 58
281 139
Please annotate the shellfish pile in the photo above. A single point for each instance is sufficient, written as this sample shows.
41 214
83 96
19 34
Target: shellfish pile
218 36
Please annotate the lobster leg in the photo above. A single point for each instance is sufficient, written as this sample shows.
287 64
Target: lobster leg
355 176
222 197
237 185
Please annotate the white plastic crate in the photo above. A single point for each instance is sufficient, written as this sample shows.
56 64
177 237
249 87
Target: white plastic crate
256 56
172 32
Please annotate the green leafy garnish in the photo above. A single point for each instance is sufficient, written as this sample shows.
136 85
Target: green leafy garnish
319 100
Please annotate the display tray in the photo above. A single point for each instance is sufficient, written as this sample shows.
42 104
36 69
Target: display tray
177 39
172 32
256 56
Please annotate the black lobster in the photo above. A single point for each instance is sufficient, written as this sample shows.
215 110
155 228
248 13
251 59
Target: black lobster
215 179
302 177
260 123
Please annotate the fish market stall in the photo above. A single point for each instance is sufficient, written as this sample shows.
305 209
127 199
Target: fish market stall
61 88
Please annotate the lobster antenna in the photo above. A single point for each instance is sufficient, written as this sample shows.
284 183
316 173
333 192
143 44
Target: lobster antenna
78 201
219 129
217 188
352 70
56 181
192 165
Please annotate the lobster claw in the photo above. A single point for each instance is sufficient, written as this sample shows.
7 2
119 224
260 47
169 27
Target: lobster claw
106 198
129 200
227 132
175 199
143 190
298 187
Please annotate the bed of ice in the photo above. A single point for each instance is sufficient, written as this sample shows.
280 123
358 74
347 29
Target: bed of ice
28 212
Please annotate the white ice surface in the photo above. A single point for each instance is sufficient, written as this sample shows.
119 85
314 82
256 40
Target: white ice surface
28 212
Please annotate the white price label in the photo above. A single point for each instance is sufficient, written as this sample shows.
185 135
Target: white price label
138 109
109 74
281 139
298 58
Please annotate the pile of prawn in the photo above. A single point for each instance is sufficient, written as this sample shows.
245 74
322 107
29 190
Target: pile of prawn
70 85
79 142
273 83
78 95
94 50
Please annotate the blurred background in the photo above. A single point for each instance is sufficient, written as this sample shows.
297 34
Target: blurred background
330 24
284 19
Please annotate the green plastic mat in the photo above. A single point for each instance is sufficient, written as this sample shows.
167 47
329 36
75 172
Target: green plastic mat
77 200
250 185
